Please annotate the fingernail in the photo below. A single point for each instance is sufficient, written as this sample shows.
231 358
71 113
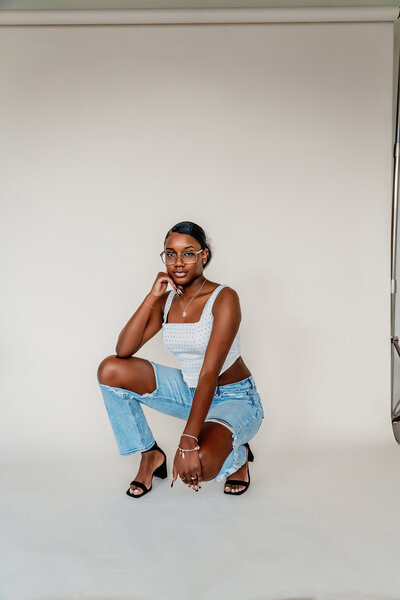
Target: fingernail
172 484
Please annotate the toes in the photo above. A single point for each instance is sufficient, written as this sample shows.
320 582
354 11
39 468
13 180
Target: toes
135 491
233 489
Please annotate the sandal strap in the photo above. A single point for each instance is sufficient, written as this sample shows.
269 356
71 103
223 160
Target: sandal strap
155 446
236 482
139 484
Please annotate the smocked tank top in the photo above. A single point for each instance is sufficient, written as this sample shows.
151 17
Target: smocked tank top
188 341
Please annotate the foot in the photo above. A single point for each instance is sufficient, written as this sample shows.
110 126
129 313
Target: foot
148 464
240 474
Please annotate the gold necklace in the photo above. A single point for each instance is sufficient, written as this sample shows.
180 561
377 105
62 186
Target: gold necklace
184 312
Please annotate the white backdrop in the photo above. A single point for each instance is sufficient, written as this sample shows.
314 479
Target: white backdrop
277 139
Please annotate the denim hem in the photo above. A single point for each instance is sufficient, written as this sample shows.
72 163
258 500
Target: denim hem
129 452
235 467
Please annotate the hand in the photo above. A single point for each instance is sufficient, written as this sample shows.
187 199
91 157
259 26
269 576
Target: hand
188 469
161 283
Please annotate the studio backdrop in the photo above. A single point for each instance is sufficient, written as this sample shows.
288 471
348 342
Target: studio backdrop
275 137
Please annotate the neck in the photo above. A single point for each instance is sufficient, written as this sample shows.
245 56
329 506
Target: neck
191 288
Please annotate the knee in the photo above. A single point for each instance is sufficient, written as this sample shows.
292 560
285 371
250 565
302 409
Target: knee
209 468
108 371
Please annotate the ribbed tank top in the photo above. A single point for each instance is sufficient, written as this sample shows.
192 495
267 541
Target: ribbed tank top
188 341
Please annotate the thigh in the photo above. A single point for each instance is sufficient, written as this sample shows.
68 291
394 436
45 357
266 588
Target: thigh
170 394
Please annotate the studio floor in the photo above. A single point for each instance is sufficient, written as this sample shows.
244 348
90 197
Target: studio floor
315 524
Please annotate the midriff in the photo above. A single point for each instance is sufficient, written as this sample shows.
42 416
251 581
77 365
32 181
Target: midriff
235 372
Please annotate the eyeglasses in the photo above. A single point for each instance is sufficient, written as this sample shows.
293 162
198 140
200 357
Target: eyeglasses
169 258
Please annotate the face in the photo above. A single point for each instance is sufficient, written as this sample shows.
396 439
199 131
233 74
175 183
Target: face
179 243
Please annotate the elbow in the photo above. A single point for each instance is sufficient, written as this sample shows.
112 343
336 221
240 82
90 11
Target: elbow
121 353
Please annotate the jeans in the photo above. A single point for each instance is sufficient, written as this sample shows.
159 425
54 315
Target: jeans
237 406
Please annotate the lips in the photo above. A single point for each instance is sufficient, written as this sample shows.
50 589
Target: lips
180 273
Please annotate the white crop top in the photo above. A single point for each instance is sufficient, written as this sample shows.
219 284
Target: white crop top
188 341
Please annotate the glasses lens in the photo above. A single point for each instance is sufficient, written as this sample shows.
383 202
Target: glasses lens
169 258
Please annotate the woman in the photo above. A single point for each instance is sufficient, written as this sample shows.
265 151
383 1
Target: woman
213 390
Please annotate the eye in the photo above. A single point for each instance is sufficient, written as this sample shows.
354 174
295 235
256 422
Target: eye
190 254
169 254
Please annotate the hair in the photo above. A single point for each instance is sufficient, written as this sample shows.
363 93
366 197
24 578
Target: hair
190 228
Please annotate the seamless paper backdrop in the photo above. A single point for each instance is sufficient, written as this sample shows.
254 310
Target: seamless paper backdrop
277 139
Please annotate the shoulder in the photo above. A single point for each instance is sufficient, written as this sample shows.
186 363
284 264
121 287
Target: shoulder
227 299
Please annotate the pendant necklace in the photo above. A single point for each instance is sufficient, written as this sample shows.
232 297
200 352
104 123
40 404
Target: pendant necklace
184 312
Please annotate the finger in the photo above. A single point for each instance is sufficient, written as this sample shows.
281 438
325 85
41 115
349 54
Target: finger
188 481
172 282
165 278
195 481
192 480
178 288
199 475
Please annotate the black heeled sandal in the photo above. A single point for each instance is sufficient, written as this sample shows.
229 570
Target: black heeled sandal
250 458
161 472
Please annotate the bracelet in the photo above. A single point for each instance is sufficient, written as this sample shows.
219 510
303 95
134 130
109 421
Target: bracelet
183 450
188 435
149 304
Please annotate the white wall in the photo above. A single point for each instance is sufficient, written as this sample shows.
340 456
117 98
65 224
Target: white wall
277 139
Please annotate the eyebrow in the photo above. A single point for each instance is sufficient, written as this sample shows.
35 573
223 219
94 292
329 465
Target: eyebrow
185 248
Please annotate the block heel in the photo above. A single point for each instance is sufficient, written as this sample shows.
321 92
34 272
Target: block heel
250 457
161 471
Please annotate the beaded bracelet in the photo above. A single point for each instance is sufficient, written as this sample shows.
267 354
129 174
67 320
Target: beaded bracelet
183 450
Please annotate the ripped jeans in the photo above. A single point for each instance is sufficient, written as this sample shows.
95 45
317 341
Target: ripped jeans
237 406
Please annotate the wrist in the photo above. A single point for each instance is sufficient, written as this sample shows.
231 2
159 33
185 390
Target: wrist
152 300
188 442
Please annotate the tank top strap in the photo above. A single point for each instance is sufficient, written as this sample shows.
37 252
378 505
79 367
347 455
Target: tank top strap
210 301
168 304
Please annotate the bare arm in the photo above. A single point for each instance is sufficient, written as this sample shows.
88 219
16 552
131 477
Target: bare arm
146 321
227 317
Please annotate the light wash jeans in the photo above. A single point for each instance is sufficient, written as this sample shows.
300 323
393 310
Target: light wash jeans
237 404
